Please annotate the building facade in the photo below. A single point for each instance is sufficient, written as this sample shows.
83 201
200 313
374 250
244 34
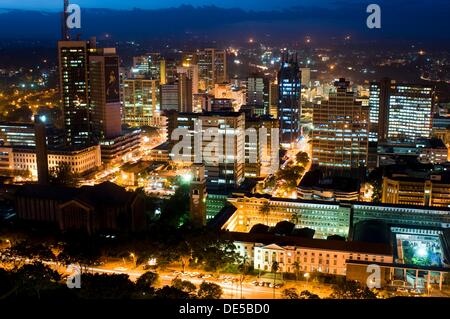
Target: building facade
289 94
340 133
141 101
80 160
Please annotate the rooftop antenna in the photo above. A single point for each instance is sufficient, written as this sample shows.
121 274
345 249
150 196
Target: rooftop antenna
64 31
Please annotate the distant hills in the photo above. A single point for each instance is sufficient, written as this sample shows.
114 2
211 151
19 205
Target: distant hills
210 21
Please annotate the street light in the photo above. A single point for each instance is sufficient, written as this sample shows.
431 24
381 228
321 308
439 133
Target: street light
306 275
132 255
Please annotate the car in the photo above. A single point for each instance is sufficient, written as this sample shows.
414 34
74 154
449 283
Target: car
402 289
277 286
255 283
417 291
207 276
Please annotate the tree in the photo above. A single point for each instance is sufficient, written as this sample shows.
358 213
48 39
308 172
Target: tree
306 294
184 285
244 269
375 179
33 279
351 290
6 284
274 269
259 229
62 175
264 210
168 292
290 293
103 286
146 281
297 269
32 250
302 158
209 290
284 228
175 211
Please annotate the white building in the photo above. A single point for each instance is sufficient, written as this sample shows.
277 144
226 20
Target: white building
80 160
307 255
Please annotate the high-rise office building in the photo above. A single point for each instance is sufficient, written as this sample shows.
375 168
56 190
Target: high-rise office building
289 89
169 97
400 111
105 94
141 101
340 134
169 72
379 93
184 93
212 67
149 65
191 72
74 90
410 112
258 94
273 99
306 76
89 85
221 147
265 148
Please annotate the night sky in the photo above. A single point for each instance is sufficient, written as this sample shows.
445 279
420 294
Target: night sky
157 4
424 20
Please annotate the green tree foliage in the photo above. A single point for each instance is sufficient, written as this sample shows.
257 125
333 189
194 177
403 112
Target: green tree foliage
175 211
375 179
146 282
290 293
32 280
62 175
351 290
209 290
184 285
32 250
103 286
302 158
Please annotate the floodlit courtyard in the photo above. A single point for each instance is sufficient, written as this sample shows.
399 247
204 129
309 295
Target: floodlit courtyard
420 250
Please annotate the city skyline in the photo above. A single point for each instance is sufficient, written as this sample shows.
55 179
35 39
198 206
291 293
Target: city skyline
274 153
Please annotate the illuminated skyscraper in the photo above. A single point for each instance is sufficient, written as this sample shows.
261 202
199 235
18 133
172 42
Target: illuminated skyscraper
169 97
89 85
400 111
212 68
105 94
340 134
379 109
410 110
289 89
257 94
73 74
141 101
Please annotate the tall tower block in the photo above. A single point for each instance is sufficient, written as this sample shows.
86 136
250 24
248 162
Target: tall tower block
198 195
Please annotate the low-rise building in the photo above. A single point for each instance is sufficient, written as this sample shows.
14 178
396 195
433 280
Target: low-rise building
115 149
305 254
432 189
81 160
314 186
93 209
